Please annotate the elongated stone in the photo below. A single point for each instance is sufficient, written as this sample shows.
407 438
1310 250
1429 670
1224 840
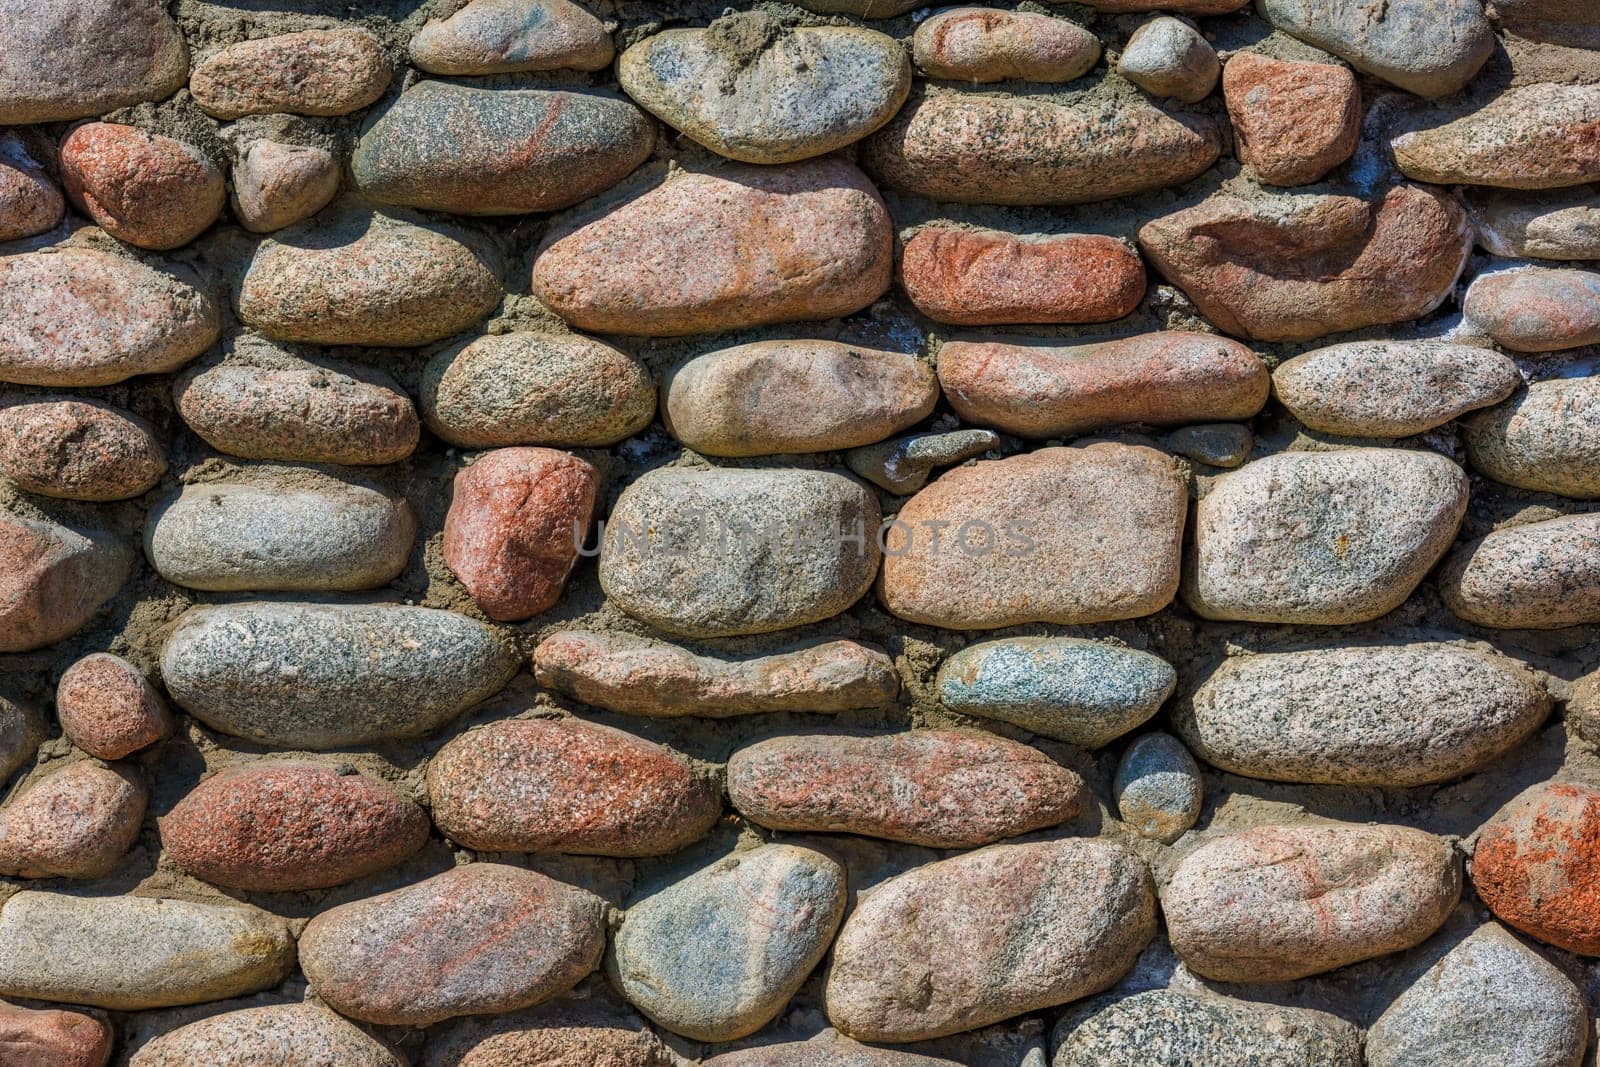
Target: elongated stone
53 579
1564 224
274 1036
70 59
1164 1027
470 151
78 449
1532 137
941 788
1545 438
830 1049
566 1032
978 44
1537 576
1535 865
902 466
327 676
502 36
78 821
314 72
1536 310
1428 47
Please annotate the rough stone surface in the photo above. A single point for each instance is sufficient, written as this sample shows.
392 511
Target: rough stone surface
560 1033
140 187
543 785
280 1035
1281 902
70 59
478 939
1532 137
30 203
1324 538
330 675
504 36
1167 1028
719 954
1219 444
1169 57
1535 865
1545 438
1293 122
78 449
1564 224
108 708
941 788
1428 47
277 185
1158 788
53 579
1536 310
1537 576
832 1050
979 44
902 466
75 822
22 730
52 1038
315 72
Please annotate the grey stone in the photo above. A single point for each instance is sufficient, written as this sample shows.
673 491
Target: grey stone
1385 715
1158 788
277 185
22 731
278 1035
327 676
1536 576
1322 537
903 465
1428 47
1168 1028
755 90
132 953
1217 444
598 1030
1168 57
1545 438
1564 224
719 954
1070 689
312 534
1488 1002
1391 388
70 59
714 553
501 36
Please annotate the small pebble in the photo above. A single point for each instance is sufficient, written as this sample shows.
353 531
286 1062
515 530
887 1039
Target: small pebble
277 185
1168 57
108 708
902 466
1158 788
1220 444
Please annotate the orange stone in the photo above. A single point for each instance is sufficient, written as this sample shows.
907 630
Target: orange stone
1537 865
143 188
1294 122
52 1038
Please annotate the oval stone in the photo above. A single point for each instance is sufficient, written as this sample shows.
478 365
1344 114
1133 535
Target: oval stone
795 396
143 188
108 708
536 389
751 88
30 203
70 59
1561 225
1537 865
1400 715
902 466
1529 137
563 785
980 44
53 1038
1428 47
1545 438
279 1035
314 72
1158 788
718 955
78 449
1322 538
76 317
1169 57
721 552
571 1032
479 939
309 534
53 579
471 151
830 1049
1059 920
1042 389
276 827
276 185
1082 692
323 676
721 250
1536 310
75 822
1281 902
940 788
503 36
1537 576
1164 1027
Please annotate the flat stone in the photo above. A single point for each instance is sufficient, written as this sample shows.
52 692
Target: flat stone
1278 903
1536 862
721 552
278 1035
277 185
1060 920
902 466
1083 692
1536 310
1537 576
1564 224
54 578
989 277
830 1050
1531 137
470 151
1060 535
562 785
108 708
1322 538
968 149
1428 47
719 954
30 203
140 187
1386 715
558 1033
133 953
536 389
1218 444
751 88
1039 388
1391 388
274 827
1293 122
479 939
503 36
1165 1027
1169 57
638 676
722 250
79 317
299 411
772 397
22 731
52 1038
71 59
75 822
313 533
516 523
1298 268
78 449
314 72
1488 1002
1158 788
359 278
330 675
940 788
980 44
1545 438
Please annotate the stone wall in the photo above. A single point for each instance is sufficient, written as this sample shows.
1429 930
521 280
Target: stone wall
642 533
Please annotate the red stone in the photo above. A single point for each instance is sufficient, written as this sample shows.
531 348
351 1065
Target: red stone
108 708
143 188
1537 865
53 579
79 449
1293 122
52 1038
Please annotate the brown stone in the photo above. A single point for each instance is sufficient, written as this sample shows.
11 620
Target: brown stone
562 1033
276 185
75 822
940 788
78 449
1169 57
143 188
1293 122
52 1038
70 59
515 525
315 72
987 277
1042 389
1564 224
109 709
1536 310
1537 865
1301 268
278 1035
502 36
1534 137
22 731
562 785
53 579
30 203
1536 576
981 44
1182 7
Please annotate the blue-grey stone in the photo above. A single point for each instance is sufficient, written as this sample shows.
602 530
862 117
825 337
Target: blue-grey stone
1158 787
1428 47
